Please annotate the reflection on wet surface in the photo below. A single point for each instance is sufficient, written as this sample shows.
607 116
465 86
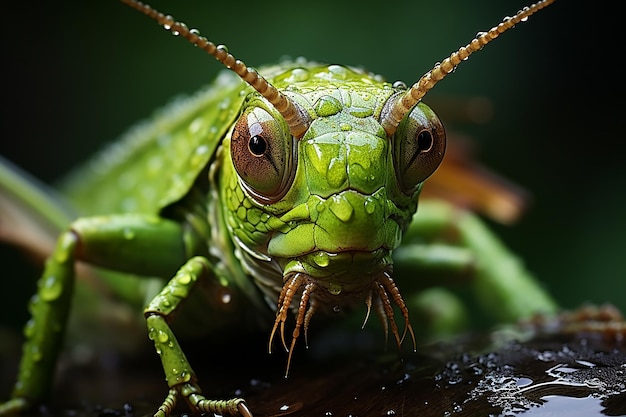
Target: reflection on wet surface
543 376
565 371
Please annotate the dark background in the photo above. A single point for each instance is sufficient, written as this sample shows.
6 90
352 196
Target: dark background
77 74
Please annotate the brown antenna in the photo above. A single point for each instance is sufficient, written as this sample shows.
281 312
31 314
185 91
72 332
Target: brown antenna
282 103
408 100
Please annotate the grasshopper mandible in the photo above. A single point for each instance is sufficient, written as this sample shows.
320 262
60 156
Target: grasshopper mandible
295 191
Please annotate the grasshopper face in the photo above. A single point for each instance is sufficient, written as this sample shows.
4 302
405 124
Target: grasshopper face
326 210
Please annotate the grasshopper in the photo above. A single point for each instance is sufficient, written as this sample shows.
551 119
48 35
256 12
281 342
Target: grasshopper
294 188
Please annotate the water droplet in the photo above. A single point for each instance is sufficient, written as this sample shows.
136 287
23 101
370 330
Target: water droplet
524 10
327 106
66 247
547 356
50 288
523 382
406 377
168 23
586 363
163 337
370 205
390 413
338 71
341 208
399 85
284 407
179 291
594 383
185 375
181 26
183 278
321 259
202 149
334 289
29 328
224 104
35 353
226 298
298 75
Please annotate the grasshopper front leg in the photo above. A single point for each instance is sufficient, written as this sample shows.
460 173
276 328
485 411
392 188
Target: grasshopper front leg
134 243
180 376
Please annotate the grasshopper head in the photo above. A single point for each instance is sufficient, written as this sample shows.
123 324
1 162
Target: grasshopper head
329 207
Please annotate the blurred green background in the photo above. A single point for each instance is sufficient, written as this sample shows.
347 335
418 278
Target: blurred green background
77 74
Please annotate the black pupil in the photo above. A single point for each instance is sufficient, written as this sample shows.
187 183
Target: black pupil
257 145
424 141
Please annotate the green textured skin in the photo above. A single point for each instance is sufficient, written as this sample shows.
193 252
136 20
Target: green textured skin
344 186
169 199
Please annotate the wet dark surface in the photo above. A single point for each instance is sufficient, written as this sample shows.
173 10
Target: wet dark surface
560 370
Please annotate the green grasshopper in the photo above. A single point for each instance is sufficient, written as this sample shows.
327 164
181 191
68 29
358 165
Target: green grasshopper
295 191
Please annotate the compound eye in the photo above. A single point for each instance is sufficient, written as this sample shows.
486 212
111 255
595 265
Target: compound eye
262 151
420 143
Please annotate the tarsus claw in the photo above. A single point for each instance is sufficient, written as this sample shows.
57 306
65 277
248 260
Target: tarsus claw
199 403
243 409
168 404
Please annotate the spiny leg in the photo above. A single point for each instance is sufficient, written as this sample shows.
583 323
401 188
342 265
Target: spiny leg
180 376
391 288
284 302
387 312
313 304
156 244
383 291
300 319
